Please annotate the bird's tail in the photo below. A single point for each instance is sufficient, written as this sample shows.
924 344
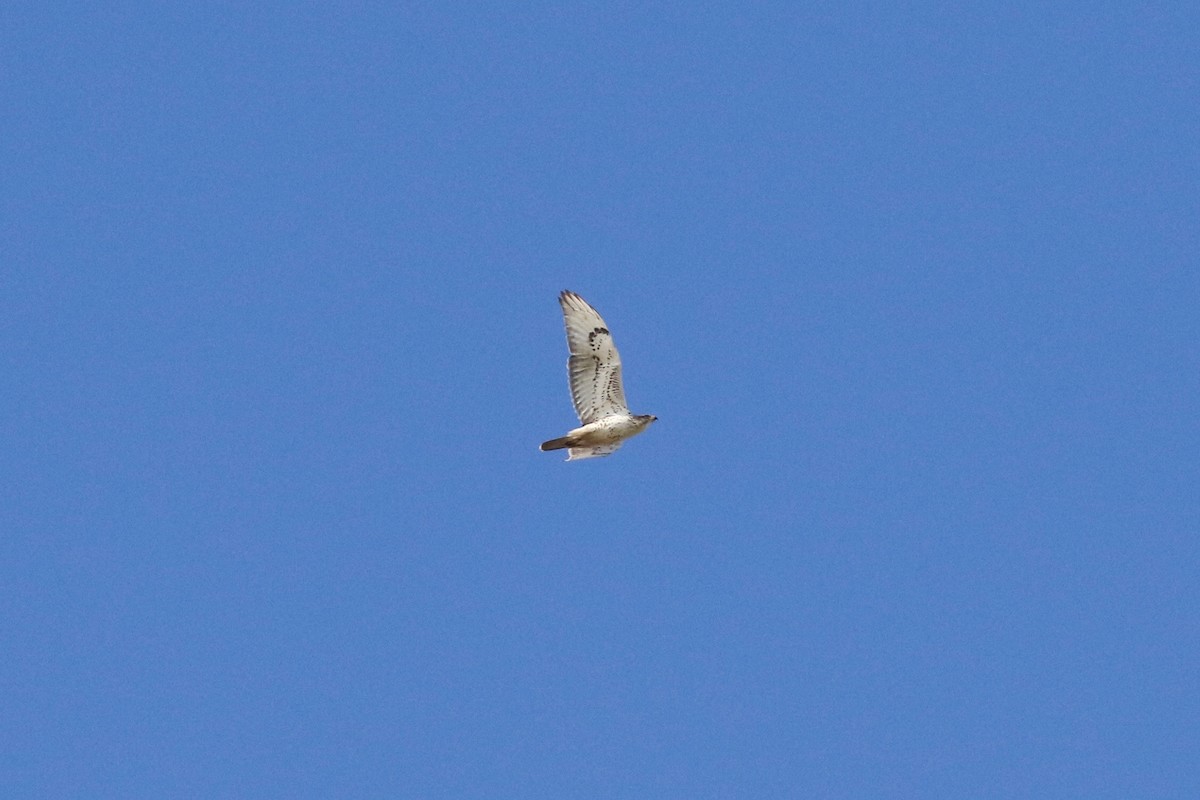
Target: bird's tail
556 444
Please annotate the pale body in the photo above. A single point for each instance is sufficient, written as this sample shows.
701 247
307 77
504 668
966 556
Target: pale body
610 430
597 392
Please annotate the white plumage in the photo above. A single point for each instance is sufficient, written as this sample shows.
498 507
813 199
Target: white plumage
594 370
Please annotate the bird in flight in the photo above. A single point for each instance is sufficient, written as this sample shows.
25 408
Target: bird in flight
594 370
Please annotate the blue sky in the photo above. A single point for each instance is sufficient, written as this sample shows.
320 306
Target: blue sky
912 288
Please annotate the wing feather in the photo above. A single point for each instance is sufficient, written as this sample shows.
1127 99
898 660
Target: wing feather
594 368
599 451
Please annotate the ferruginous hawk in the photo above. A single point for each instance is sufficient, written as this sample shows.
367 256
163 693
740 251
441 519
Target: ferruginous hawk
595 376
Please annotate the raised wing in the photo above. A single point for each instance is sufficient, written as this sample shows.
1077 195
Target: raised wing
594 367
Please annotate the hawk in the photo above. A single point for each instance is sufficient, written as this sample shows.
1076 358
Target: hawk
595 376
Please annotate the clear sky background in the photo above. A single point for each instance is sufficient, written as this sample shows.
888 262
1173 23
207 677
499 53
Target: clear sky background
913 289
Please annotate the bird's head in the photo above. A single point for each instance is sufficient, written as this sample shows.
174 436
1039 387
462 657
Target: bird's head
646 419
